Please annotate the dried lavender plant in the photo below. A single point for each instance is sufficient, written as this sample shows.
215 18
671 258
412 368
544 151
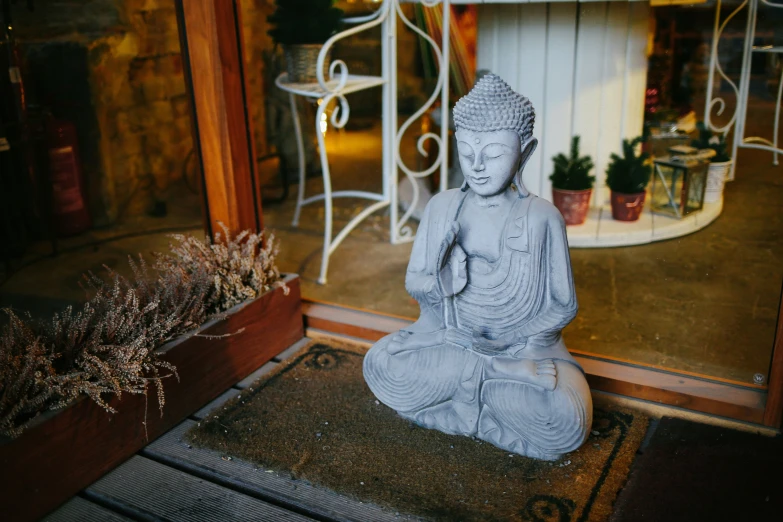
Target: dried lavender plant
109 346
111 342
28 386
239 268
105 348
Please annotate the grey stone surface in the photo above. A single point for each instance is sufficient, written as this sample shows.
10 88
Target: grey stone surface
490 270
248 381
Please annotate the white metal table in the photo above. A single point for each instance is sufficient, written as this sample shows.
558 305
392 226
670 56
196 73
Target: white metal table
381 200
743 91
339 84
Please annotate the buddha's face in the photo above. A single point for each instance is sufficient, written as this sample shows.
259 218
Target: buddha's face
489 160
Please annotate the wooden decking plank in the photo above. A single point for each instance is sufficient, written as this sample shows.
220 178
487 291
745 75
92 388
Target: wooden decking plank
217 403
253 377
291 350
252 480
80 510
155 490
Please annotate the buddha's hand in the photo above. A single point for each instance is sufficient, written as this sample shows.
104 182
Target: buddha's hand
404 341
499 343
452 264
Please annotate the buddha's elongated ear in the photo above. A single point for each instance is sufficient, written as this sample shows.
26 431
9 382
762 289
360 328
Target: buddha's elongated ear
528 148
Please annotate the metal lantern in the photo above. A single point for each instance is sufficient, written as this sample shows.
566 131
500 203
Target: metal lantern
679 181
664 135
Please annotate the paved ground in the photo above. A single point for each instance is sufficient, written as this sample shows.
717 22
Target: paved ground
707 302
683 471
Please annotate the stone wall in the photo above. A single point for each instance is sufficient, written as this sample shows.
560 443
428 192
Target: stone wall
143 110
257 45
269 106
134 124
114 68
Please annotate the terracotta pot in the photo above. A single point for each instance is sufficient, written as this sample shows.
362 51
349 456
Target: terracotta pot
716 177
301 61
573 204
627 207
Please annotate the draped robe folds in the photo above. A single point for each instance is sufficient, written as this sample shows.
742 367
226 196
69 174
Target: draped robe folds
514 308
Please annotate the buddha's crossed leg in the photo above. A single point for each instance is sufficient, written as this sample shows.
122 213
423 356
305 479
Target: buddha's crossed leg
531 419
534 408
426 379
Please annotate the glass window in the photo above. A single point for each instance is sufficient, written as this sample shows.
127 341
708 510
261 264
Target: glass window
99 161
686 278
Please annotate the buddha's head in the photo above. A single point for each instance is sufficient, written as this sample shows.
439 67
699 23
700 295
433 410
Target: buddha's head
494 136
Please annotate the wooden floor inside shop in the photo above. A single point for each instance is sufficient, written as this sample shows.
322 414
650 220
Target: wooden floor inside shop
737 476
704 303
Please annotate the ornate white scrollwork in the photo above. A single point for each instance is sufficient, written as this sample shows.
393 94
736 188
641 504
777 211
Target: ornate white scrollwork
742 92
338 69
338 79
715 66
401 230
335 88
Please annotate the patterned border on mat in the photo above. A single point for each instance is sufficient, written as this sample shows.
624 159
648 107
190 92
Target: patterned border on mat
323 354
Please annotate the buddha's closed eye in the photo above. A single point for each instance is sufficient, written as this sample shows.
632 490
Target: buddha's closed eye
465 149
495 150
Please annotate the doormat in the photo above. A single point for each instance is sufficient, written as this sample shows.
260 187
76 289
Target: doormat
316 419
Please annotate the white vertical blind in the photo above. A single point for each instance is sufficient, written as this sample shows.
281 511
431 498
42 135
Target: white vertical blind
557 111
636 69
612 110
588 85
530 59
584 68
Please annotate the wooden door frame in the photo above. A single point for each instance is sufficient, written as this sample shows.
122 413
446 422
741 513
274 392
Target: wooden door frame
212 46
773 413
664 386
211 42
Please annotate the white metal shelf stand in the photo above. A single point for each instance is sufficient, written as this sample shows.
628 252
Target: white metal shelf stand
341 83
743 91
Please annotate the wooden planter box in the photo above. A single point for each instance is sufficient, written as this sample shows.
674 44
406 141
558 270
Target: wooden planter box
65 451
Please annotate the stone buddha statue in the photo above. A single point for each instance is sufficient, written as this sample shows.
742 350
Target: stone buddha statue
491 272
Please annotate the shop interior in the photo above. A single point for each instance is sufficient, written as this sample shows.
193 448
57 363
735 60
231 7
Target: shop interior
703 303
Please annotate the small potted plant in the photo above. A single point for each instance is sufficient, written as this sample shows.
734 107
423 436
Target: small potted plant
302 27
627 177
572 184
720 163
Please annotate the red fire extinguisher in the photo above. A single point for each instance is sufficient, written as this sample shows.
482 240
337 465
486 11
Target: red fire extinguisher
69 206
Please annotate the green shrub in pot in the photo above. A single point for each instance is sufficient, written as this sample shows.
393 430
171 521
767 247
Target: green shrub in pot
711 140
720 163
627 177
572 184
